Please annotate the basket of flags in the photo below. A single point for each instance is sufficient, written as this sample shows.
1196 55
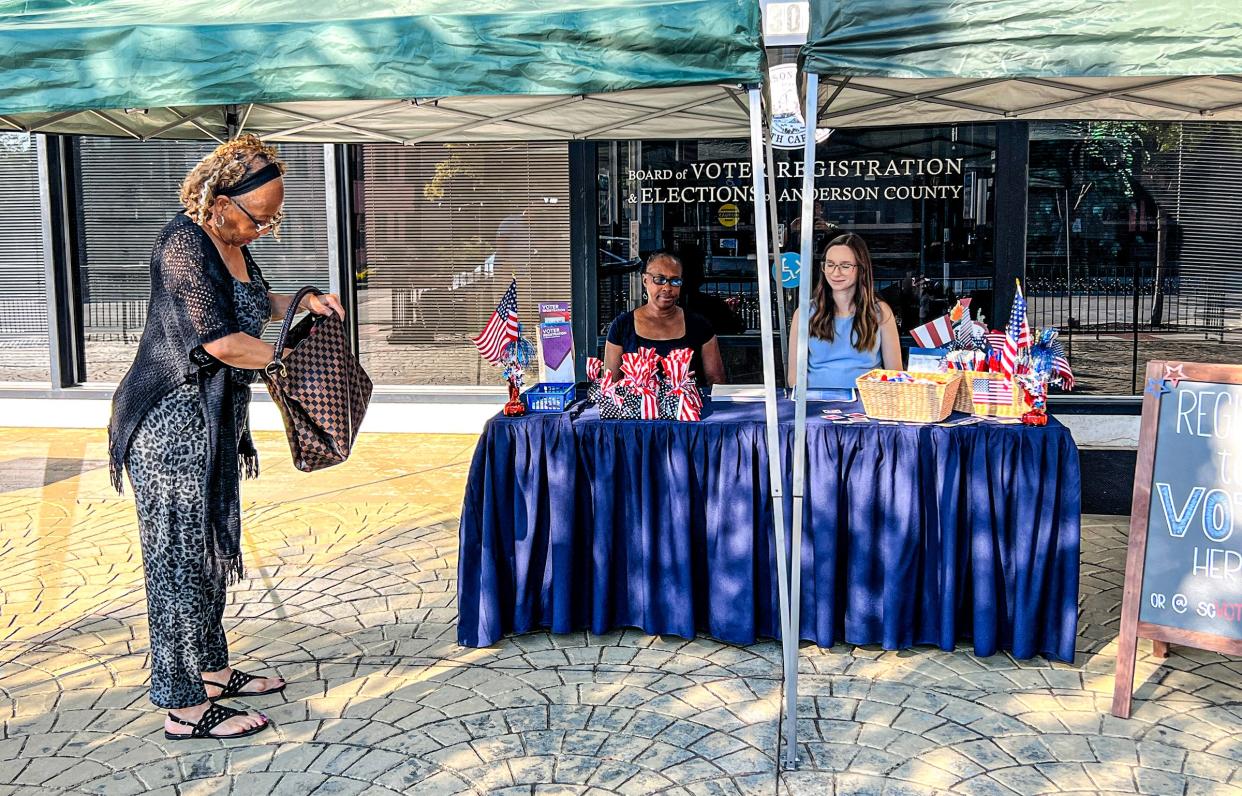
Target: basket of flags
1002 372
913 397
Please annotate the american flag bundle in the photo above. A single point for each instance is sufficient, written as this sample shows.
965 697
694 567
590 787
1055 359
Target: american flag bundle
642 393
639 370
965 359
501 328
679 395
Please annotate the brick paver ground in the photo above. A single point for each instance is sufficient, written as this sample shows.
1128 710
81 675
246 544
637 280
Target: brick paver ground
351 597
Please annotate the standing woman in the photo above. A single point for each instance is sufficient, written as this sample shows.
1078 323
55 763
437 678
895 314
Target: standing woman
852 331
180 427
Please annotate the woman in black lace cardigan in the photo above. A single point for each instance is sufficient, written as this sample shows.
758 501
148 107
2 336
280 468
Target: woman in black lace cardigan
180 427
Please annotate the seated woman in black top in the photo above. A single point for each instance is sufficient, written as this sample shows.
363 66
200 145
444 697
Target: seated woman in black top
664 326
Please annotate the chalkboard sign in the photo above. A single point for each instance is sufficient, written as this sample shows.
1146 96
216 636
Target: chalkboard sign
1184 564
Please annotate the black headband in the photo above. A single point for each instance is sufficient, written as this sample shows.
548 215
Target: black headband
251 181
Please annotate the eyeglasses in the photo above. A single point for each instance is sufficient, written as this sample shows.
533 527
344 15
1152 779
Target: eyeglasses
662 280
266 225
829 265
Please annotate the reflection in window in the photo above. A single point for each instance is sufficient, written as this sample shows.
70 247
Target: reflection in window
442 228
1131 248
24 354
128 191
922 199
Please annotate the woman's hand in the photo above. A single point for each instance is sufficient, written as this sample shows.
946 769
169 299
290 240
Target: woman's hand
325 304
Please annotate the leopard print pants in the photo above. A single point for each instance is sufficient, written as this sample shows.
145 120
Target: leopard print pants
167 463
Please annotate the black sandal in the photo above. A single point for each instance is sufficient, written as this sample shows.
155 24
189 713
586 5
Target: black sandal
237 681
212 718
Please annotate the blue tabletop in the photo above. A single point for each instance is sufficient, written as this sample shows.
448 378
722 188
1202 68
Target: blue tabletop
912 534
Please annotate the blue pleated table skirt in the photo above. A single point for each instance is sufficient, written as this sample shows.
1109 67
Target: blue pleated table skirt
911 534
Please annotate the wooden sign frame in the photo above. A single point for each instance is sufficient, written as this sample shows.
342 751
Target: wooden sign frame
1131 628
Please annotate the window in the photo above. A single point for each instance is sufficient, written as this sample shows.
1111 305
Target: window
1132 251
921 197
23 282
442 229
128 190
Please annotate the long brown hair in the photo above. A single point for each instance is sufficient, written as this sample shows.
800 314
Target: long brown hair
866 307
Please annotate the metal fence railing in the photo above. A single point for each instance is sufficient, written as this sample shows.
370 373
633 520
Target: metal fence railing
120 321
1107 299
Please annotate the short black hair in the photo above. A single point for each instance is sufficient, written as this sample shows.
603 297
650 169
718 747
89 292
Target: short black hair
662 254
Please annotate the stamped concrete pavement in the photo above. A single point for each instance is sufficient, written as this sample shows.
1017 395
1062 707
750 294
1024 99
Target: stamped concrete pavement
351 596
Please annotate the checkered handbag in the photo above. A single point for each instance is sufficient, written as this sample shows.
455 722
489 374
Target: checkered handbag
319 386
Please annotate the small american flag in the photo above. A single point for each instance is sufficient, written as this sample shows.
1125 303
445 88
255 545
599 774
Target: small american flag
1061 369
934 333
1017 335
501 328
992 391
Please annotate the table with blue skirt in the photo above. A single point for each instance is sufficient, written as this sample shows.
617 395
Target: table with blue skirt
912 534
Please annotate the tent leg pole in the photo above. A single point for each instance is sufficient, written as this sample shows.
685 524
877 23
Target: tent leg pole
799 448
789 638
773 228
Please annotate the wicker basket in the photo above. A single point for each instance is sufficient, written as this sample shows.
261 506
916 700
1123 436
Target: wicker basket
910 401
965 402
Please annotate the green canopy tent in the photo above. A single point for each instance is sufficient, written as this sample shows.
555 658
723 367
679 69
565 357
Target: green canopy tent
404 71
943 61
368 70
925 62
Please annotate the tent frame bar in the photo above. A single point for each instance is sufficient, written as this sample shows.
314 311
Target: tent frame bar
180 120
902 97
346 117
694 114
433 104
788 716
504 117
937 97
308 118
654 114
104 117
53 119
1123 94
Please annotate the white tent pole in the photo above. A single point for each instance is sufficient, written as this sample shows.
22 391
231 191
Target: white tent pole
773 228
789 640
807 270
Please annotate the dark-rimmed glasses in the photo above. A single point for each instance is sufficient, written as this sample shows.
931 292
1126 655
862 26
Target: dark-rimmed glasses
661 280
265 226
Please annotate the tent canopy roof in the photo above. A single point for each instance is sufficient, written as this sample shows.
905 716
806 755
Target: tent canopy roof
401 70
940 61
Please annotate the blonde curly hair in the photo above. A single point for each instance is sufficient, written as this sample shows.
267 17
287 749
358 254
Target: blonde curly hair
225 167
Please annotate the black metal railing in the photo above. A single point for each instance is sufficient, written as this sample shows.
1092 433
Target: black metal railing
120 321
1111 298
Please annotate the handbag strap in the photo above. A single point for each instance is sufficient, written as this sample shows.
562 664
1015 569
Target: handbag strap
276 365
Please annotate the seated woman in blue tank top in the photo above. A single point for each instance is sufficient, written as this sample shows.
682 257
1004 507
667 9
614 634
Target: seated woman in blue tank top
851 331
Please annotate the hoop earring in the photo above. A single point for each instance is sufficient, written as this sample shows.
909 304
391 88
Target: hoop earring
218 220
